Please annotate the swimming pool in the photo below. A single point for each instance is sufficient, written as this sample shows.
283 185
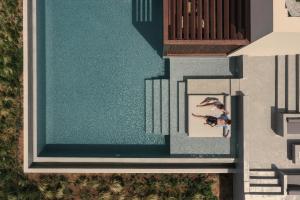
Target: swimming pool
93 60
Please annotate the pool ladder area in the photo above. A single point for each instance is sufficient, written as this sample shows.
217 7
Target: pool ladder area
157 106
143 10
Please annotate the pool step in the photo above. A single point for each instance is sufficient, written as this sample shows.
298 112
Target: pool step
157 106
143 10
149 106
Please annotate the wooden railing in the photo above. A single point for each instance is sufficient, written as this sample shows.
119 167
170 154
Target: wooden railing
206 22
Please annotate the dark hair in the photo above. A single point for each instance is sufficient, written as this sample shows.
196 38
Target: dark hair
220 106
228 122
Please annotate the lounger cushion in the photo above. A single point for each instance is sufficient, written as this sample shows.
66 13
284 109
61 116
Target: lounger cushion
196 127
208 86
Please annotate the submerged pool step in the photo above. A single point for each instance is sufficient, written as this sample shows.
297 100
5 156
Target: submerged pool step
157 106
149 106
143 10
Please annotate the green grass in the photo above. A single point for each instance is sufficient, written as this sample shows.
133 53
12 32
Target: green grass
14 184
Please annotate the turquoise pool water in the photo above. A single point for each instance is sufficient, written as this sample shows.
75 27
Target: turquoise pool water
94 57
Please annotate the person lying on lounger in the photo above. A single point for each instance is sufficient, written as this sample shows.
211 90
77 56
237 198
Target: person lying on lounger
221 121
214 102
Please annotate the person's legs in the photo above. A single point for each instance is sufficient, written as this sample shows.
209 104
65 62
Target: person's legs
200 116
209 99
227 134
207 104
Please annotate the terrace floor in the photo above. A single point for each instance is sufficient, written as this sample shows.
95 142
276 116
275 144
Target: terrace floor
263 146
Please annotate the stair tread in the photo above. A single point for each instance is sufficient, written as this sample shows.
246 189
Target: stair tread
262 173
268 176
165 106
181 107
264 185
265 189
260 195
263 177
149 106
157 106
264 180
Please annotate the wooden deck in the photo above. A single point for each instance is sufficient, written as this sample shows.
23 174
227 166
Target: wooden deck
205 27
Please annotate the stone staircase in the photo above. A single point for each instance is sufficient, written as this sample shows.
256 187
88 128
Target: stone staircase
264 182
157 106
288 83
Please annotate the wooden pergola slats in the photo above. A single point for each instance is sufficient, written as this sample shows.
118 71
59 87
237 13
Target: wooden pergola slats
233 19
193 19
212 19
173 19
206 19
201 20
239 19
186 19
219 19
226 4
179 19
